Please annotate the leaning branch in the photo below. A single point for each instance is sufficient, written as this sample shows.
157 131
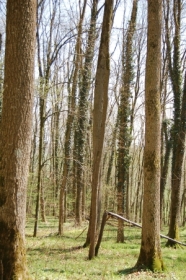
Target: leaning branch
137 225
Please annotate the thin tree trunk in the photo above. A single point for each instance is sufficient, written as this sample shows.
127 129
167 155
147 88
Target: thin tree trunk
99 117
139 187
110 164
178 131
82 112
41 132
42 203
124 135
164 167
177 174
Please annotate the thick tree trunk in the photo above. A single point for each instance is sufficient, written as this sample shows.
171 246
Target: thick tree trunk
15 140
150 252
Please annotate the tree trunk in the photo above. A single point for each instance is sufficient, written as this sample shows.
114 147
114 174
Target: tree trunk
42 202
178 151
99 117
178 131
82 112
139 186
55 151
124 135
41 135
150 252
15 140
164 165
110 164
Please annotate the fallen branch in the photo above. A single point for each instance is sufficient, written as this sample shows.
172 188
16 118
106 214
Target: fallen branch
80 233
137 225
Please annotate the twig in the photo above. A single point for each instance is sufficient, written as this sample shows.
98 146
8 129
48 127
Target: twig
80 233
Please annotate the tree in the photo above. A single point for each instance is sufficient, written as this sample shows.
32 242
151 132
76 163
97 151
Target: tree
166 132
179 119
166 127
15 138
99 117
150 252
124 135
0 77
80 133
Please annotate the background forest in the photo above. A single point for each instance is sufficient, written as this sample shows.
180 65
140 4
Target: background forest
60 174
68 35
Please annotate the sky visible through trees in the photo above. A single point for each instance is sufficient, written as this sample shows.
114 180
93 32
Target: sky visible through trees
68 40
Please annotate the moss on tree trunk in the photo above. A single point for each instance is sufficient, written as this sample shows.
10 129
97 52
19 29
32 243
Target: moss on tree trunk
151 260
12 254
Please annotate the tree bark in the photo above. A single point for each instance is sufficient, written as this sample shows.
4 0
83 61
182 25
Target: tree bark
99 117
178 130
82 112
150 251
124 135
15 138
41 136
179 147
164 165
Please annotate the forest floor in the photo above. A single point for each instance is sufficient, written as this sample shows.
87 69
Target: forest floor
51 257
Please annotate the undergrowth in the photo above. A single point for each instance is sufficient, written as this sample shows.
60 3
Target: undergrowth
51 257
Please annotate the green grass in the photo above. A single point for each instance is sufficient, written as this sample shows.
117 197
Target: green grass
58 258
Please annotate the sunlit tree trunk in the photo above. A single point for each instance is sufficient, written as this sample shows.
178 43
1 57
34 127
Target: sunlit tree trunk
67 152
99 117
110 164
42 105
31 181
15 138
82 112
166 127
124 134
177 164
139 186
55 162
150 251
165 163
178 130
